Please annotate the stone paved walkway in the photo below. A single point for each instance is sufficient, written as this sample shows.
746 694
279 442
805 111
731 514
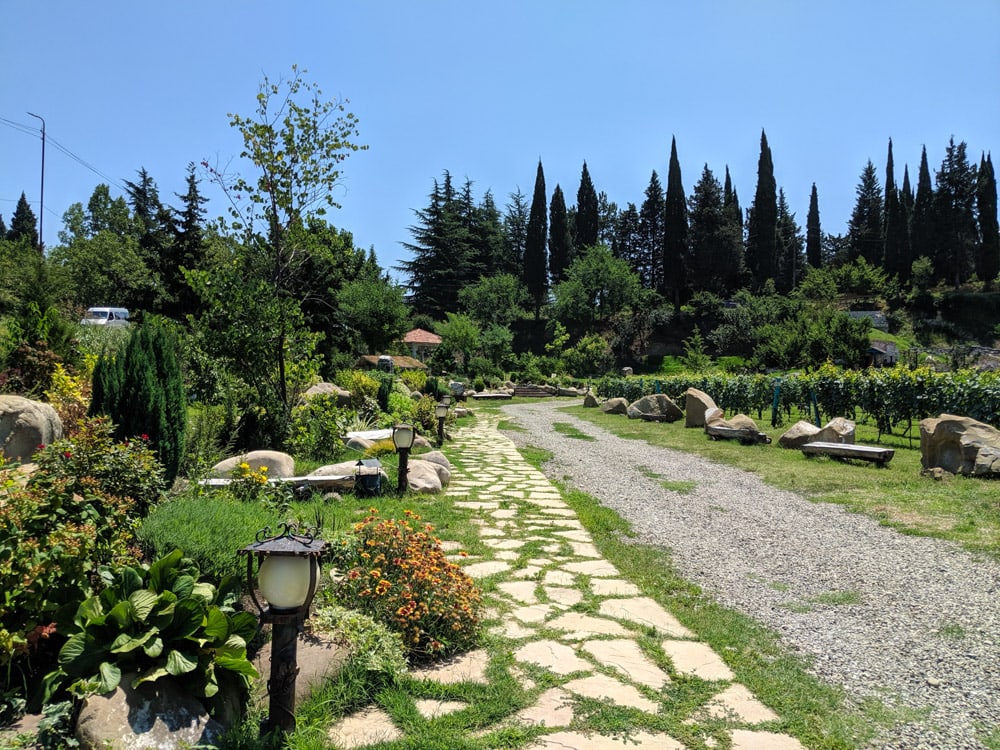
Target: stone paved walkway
565 614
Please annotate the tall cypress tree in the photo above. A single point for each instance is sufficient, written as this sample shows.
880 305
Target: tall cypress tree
560 242
955 199
762 223
814 234
587 224
675 232
988 258
648 261
922 232
535 272
895 255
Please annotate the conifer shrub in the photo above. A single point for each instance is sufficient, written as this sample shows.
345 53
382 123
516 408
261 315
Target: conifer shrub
142 392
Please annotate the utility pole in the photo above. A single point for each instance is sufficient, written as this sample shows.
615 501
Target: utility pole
41 202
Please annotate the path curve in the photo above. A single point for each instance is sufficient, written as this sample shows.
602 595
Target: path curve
909 620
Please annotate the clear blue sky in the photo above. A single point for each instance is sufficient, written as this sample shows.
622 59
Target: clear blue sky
485 89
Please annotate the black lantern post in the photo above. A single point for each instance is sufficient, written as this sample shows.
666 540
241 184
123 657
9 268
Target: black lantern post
287 575
441 412
403 436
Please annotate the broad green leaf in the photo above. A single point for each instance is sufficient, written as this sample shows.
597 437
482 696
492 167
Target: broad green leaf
154 647
131 580
189 614
150 675
205 591
121 614
81 655
179 663
183 586
241 666
127 642
244 625
143 601
91 612
162 570
110 676
216 625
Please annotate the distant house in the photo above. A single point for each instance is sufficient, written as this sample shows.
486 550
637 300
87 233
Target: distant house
422 343
883 353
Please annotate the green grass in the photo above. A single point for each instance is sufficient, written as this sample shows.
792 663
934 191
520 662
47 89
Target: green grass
961 509
565 428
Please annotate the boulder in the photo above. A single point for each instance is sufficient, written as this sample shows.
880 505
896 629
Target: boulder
436 457
279 465
420 441
959 445
460 411
798 434
737 422
331 389
25 425
655 407
566 391
590 401
714 415
626 372
615 406
837 430
696 405
154 715
358 444
425 476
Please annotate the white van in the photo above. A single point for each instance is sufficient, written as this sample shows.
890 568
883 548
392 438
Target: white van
105 316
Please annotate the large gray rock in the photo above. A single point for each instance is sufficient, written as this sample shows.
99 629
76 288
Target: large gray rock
157 715
959 445
425 477
655 407
615 406
279 465
436 457
329 389
837 430
696 405
25 425
798 434
590 401
737 422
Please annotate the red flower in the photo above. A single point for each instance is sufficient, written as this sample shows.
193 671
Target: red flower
144 436
67 454
41 447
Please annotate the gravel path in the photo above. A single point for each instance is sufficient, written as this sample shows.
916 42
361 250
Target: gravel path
914 622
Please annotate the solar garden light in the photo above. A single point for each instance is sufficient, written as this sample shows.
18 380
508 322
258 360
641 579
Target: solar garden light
402 437
446 399
441 412
287 576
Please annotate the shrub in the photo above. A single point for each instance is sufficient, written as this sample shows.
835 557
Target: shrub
361 385
372 645
92 457
399 576
54 534
415 379
209 528
69 394
401 408
424 414
317 428
158 622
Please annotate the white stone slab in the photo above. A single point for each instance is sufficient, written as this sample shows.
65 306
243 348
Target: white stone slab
626 656
645 611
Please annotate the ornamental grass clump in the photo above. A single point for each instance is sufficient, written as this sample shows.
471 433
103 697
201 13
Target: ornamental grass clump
398 574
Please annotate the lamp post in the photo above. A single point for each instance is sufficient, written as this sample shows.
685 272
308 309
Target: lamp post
287 574
41 202
402 437
446 399
441 412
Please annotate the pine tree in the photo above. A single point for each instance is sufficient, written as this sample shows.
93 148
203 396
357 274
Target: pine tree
154 226
865 227
791 258
560 242
648 260
922 223
988 258
587 224
607 212
186 250
675 232
762 221
488 238
814 234
3 228
23 224
715 249
535 271
626 243
955 199
515 230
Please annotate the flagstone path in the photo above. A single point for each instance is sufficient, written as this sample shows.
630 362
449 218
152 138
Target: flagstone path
569 620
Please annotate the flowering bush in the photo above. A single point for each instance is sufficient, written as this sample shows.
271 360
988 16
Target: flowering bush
248 483
399 575
126 469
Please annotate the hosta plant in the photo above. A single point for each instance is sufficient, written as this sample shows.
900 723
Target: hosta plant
156 622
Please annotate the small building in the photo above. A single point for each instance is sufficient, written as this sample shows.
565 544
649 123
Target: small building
883 353
422 343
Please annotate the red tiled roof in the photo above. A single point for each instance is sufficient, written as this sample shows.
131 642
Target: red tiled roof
420 336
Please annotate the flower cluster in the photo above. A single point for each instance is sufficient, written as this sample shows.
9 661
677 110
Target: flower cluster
248 483
399 575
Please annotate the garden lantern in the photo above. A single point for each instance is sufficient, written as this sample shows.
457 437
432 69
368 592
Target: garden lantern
446 399
402 437
441 412
287 576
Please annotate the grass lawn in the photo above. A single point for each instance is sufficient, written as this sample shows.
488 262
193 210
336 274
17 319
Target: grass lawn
964 510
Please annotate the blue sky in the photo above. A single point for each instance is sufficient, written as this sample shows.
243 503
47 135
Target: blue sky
486 89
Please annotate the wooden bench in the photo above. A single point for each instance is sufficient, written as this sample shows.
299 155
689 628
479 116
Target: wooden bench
745 436
840 451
